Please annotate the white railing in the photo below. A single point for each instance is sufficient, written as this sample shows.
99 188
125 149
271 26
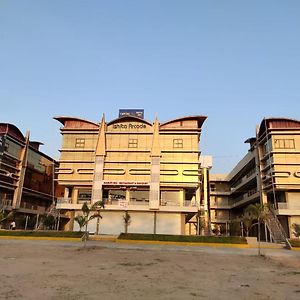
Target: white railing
61 200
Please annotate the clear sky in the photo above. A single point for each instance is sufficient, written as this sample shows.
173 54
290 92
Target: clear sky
233 61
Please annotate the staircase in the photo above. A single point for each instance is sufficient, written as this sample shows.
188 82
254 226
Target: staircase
277 233
53 211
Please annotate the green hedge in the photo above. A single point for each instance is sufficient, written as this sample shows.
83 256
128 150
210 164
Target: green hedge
183 238
42 233
295 242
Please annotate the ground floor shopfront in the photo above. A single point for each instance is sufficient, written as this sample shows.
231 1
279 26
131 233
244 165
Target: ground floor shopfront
174 215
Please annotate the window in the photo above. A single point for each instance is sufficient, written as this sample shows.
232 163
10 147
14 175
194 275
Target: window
284 144
84 195
177 143
132 143
79 143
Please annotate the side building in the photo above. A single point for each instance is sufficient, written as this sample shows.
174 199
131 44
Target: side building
149 169
269 173
26 177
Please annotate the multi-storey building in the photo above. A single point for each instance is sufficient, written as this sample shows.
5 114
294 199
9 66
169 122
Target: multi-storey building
26 175
269 173
219 204
151 170
278 144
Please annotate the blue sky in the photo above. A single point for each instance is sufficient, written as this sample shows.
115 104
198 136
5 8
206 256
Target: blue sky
233 61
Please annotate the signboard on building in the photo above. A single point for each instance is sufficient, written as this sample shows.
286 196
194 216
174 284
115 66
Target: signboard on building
122 182
123 203
131 112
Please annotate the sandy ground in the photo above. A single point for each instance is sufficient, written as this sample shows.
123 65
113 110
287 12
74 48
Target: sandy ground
64 270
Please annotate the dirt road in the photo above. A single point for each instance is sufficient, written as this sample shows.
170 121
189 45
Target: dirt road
64 270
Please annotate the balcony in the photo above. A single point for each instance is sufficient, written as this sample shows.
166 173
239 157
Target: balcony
133 204
246 198
29 207
244 180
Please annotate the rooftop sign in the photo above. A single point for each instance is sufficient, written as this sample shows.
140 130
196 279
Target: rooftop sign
131 112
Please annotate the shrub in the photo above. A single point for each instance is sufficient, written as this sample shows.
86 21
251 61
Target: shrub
295 242
41 233
183 238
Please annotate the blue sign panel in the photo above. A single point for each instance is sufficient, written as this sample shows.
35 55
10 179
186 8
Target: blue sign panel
131 112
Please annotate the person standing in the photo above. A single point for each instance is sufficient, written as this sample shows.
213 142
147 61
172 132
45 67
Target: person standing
13 225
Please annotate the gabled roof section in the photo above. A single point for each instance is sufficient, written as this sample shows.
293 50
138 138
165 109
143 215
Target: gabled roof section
177 122
76 123
278 123
12 130
129 118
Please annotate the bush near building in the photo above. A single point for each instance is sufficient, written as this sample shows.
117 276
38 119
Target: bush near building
183 238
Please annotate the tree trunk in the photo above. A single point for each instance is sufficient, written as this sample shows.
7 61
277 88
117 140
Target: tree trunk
85 234
258 233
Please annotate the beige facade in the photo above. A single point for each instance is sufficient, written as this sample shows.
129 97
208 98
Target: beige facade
149 169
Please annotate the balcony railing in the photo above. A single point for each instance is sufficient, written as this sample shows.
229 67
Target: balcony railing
139 202
5 202
28 205
243 180
123 202
169 203
62 200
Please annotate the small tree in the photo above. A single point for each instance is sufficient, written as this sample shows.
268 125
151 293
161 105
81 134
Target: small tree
296 229
48 221
258 212
97 206
6 216
127 220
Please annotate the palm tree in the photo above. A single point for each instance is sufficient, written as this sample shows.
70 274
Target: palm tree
258 212
247 220
127 220
81 221
86 210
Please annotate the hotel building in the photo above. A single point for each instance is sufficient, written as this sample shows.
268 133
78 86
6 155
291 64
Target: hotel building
149 169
